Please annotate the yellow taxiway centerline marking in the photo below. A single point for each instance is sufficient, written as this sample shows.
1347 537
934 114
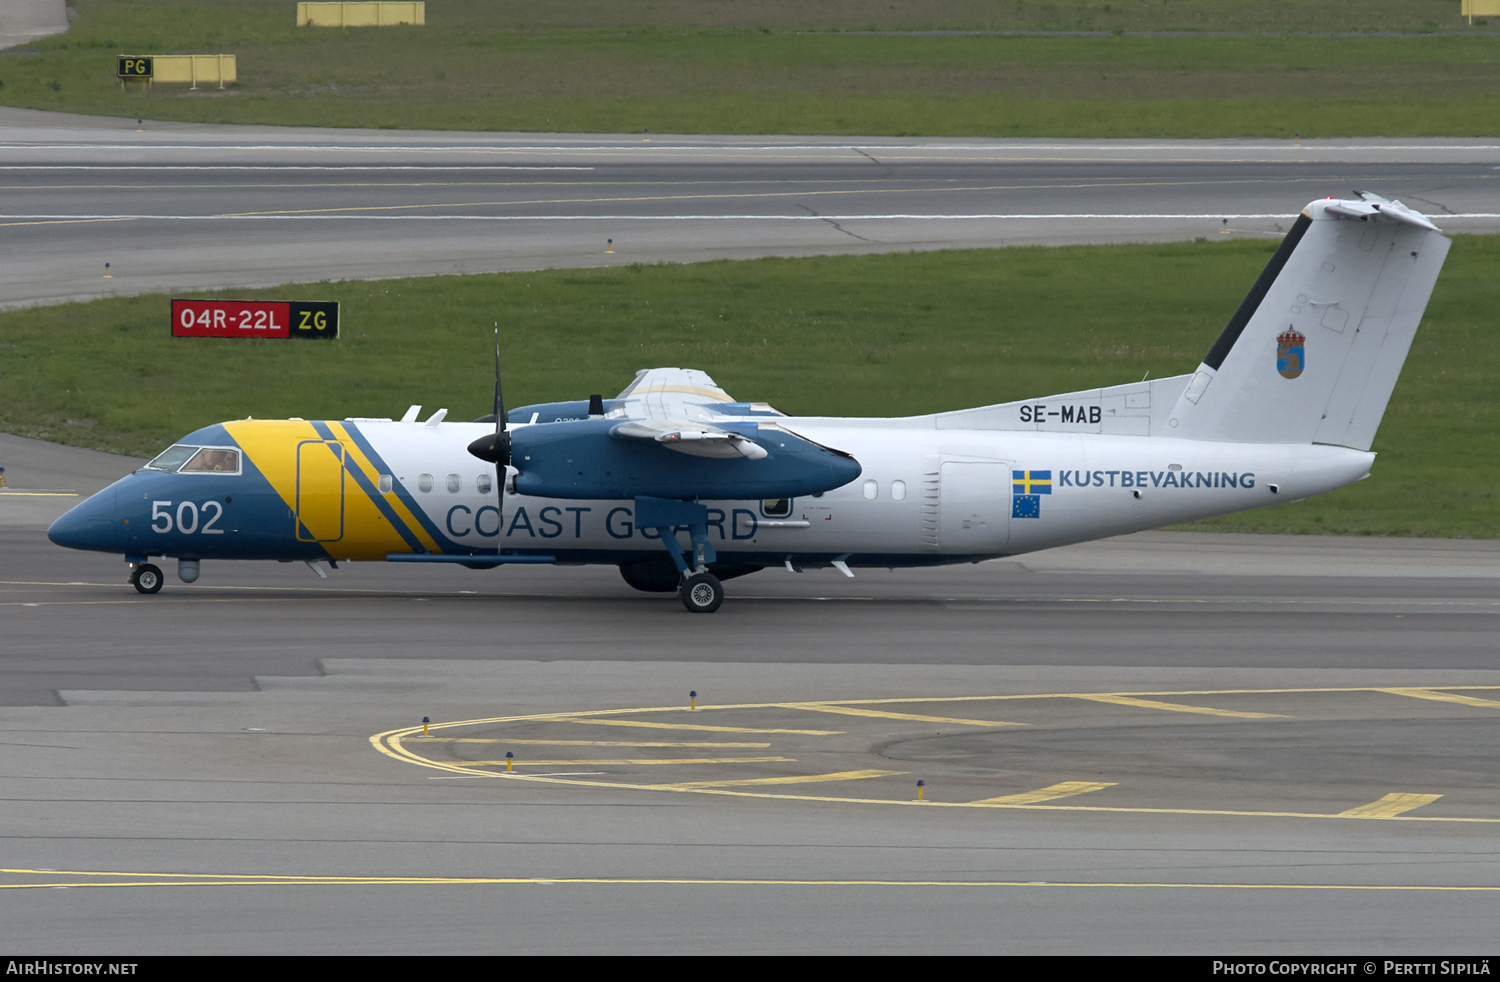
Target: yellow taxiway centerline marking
706 195
253 879
1050 793
68 221
793 779
824 707
1443 697
677 726
38 494
1174 707
589 743
1390 806
640 760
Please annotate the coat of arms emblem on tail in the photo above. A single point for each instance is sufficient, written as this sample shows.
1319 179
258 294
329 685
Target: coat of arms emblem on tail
1291 355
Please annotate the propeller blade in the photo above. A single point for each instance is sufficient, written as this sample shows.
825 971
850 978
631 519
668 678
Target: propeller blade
495 448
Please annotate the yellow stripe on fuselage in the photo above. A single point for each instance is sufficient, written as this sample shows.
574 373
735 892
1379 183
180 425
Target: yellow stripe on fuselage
367 521
271 445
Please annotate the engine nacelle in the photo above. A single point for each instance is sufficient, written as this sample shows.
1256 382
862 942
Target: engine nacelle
579 459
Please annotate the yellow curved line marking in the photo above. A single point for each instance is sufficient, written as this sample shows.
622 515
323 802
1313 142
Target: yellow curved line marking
390 744
690 726
1066 789
1437 696
1390 805
1177 707
593 743
636 761
789 779
828 707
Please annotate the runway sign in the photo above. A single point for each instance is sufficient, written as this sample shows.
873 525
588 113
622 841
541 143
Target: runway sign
133 67
254 319
193 69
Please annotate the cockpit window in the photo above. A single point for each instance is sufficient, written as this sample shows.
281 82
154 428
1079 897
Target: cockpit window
182 459
172 458
213 460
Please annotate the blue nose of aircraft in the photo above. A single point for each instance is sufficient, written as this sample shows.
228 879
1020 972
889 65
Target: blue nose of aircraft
90 525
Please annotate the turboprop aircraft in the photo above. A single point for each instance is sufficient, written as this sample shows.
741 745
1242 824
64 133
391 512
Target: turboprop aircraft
682 487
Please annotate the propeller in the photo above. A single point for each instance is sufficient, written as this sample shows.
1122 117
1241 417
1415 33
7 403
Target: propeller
496 448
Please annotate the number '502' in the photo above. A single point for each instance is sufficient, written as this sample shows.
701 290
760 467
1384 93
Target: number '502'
190 518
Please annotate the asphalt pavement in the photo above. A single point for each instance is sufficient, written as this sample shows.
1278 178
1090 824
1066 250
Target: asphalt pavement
177 207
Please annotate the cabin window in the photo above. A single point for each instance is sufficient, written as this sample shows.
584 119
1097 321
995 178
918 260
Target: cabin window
483 484
454 483
872 490
898 490
424 483
213 460
386 484
171 458
776 507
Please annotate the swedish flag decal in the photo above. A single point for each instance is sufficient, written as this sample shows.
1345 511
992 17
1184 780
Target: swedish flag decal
1027 488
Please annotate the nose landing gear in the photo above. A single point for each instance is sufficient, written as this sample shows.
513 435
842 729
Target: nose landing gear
146 578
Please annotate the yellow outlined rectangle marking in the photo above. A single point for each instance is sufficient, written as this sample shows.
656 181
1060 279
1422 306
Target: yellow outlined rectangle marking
1390 806
828 707
635 761
1066 789
1437 696
591 743
793 779
1174 707
681 726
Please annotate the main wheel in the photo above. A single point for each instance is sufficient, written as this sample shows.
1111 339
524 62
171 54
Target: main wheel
701 593
146 578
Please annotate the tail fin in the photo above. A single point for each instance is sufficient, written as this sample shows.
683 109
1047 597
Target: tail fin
1313 353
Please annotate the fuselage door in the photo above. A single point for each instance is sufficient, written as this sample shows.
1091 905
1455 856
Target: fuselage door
974 510
320 491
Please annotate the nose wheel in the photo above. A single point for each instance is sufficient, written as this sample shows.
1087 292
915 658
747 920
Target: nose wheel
146 578
701 593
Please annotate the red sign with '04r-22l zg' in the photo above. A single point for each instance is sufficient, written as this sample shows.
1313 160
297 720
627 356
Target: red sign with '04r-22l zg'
254 319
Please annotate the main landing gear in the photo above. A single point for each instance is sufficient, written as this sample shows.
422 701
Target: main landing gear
699 590
146 578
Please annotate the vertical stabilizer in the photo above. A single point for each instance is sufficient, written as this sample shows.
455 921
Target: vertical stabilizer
1313 353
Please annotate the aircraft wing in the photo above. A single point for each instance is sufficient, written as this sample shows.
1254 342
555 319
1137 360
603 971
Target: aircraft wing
671 395
673 407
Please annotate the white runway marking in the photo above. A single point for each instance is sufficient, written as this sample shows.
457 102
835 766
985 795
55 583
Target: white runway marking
675 218
292 167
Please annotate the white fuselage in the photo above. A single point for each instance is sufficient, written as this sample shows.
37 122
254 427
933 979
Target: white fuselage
924 493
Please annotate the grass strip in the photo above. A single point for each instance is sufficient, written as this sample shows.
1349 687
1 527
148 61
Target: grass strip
875 335
490 66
